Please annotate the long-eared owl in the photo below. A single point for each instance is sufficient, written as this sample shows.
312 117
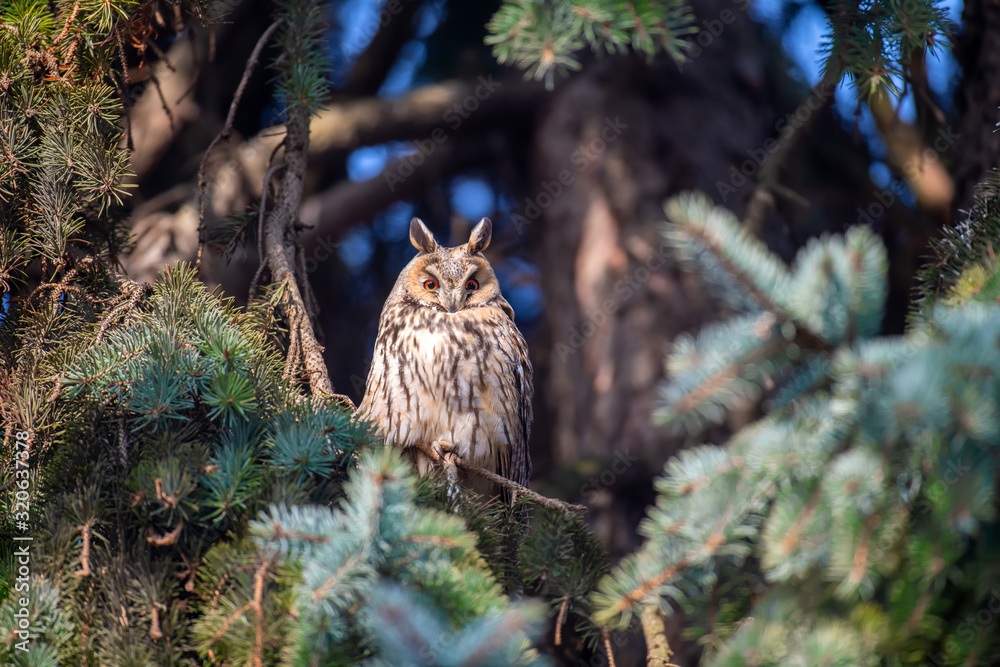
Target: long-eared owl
450 367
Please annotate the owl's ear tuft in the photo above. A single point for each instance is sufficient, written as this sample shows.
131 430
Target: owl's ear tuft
480 236
421 237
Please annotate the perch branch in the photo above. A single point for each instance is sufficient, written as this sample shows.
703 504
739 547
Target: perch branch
551 503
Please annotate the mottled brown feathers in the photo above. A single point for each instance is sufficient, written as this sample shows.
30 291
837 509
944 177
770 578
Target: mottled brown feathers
450 364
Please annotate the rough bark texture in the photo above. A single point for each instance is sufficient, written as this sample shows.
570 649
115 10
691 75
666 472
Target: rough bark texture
279 250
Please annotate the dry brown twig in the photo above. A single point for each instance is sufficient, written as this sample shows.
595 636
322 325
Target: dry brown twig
224 135
84 570
165 540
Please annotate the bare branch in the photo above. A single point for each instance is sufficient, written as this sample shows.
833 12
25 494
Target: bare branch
514 487
227 130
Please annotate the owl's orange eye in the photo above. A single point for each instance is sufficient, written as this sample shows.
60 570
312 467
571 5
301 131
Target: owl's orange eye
430 285
472 284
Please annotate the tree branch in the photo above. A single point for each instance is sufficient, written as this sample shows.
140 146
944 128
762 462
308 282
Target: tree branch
514 487
227 130
373 65
275 232
762 200
333 211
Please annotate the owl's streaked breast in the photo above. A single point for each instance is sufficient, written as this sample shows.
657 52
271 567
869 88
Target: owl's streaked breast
454 373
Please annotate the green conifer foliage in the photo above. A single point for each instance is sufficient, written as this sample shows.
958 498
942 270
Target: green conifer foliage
542 37
855 524
872 42
355 563
60 102
189 503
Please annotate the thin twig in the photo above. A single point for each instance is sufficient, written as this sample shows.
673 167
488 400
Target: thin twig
258 607
560 619
260 230
229 621
169 501
163 100
762 200
335 577
165 540
122 309
151 43
155 633
69 22
517 489
607 647
121 54
84 570
224 135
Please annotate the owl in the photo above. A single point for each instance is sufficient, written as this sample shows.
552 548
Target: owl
450 367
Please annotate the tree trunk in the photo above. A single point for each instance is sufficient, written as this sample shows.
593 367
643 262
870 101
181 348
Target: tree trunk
977 49
624 137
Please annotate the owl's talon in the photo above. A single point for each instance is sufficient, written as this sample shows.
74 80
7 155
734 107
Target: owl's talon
443 449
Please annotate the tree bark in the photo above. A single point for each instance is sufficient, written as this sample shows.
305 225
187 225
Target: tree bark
624 137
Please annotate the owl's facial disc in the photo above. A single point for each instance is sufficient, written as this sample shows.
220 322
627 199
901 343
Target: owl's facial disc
454 285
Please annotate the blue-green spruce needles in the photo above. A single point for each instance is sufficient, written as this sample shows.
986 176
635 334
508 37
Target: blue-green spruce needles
855 523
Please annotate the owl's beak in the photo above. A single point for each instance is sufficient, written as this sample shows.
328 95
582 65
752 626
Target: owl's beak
453 299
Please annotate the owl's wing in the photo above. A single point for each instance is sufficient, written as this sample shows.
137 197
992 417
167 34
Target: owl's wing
516 464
